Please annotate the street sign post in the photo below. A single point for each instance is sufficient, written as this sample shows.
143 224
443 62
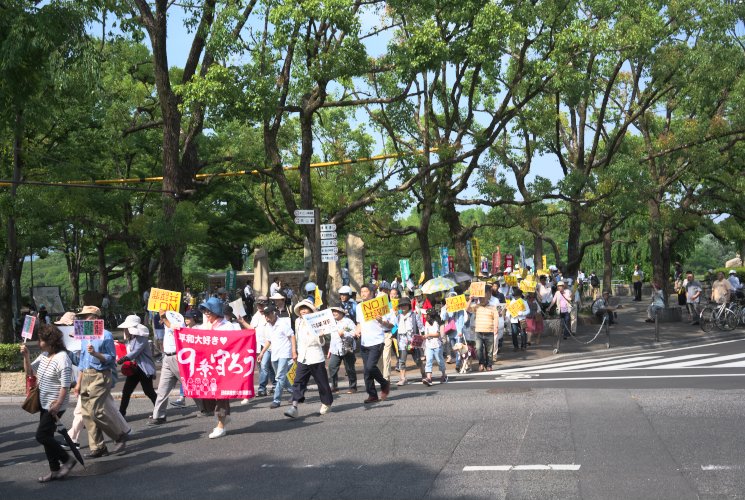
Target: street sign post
328 243
328 227
328 235
329 258
304 213
309 221
329 250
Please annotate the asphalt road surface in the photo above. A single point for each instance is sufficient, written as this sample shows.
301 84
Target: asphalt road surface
663 423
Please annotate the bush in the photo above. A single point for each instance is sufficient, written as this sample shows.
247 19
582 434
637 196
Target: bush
130 302
739 270
10 358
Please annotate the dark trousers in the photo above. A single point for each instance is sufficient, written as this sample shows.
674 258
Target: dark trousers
637 291
519 337
334 364
45 436
302 376
370 357
129 386
566 324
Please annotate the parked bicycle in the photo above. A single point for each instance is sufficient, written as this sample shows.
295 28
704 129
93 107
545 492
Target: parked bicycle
723 316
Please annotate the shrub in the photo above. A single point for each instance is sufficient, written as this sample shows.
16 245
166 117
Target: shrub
10 358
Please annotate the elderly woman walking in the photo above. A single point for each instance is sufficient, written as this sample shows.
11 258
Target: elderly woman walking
53 370
137 365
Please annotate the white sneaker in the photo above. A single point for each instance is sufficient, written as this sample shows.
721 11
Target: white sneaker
244 401
291 412
217 433
324 409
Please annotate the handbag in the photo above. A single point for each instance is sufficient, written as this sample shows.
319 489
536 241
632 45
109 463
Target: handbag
129 368
32 403
347 345
450 326
417 341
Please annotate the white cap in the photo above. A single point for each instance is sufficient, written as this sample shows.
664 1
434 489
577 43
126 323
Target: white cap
732 271
131 321
345 290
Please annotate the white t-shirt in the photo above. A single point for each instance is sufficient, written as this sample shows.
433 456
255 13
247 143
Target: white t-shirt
273 288
347 326
258 323
280 335
432 342
372 331
309 347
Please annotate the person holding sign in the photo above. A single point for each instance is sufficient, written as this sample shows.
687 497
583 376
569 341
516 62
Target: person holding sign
342 349
454 316
433 348
280 344
97 366
486 326
517 311
53 369
563 300
311 361
372 337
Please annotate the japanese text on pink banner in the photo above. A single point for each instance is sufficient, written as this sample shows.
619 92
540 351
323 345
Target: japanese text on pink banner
217 364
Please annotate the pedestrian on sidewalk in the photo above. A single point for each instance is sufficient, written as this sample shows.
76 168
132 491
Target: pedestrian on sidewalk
97 377
311 361
279 344
486 326
658 301
433 339
408 326
637 278
693 297
137 365
53 371
341 348
544 293
563 300
518 322
372 339
721 290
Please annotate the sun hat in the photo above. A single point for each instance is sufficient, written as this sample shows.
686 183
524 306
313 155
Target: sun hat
304 303
139 330
213 305
338 309
560 283
131 321
86 310
67 319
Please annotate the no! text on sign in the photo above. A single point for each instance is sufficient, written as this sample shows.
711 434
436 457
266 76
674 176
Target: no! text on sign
457 303
378 306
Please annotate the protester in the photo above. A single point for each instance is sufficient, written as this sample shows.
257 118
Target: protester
281 344
53 371
433 348
544 293
139 367
563 301
214 319
310 361
97 367
453 324
408 326
190 319
486 327
693 297
342 348
518 323
266 370
390 321
274 287
372 338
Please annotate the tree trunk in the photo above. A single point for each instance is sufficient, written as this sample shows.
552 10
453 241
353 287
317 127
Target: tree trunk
607 261
103 273
537 252
573 242
655 245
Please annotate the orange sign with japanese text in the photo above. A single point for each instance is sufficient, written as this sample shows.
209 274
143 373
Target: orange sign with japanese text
457 303
478 289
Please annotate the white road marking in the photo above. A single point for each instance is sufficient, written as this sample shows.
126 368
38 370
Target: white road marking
588 364
506 468
649 362
720 467
687 364
736 364
620 377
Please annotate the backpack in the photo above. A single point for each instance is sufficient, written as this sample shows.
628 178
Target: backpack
595 281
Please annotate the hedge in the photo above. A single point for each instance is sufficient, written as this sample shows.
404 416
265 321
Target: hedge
10 358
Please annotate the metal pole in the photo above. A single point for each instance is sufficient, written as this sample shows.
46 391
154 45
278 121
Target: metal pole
656 328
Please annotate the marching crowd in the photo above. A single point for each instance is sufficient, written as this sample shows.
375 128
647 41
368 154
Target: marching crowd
418 326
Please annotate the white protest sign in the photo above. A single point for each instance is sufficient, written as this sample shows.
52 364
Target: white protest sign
322 322
238 309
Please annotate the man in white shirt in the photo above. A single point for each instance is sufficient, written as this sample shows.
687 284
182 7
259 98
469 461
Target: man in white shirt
280 341
734 280
266 370
274 287
372 338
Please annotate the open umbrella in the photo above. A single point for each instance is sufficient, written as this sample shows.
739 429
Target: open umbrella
74 449
459 277
438 285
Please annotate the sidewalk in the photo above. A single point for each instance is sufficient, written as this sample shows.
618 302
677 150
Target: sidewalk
631 333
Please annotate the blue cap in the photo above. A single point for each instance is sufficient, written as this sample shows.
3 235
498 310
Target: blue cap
213 305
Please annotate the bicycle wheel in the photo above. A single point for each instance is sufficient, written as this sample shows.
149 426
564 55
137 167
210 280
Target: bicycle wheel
728 320
706 319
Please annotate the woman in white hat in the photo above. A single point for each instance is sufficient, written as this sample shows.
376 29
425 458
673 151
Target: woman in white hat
563 300
137 365
311 361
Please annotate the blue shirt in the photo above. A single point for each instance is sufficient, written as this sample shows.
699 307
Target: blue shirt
104 346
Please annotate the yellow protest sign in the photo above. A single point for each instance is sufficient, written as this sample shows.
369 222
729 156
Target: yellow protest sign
163 299
516 307
394 305
543 261
528 285
378 306
317 300
478 289
510 280
457 303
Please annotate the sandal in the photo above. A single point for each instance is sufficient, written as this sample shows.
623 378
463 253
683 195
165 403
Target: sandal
65 468
49 477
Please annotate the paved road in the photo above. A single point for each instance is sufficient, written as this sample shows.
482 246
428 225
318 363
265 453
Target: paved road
600 434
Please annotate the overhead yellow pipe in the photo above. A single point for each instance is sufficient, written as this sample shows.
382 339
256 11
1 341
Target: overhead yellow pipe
323 164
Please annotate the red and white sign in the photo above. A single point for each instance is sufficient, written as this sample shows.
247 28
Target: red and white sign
509 261
216 364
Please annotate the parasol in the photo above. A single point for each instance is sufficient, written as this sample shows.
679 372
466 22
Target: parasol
440 284
459 277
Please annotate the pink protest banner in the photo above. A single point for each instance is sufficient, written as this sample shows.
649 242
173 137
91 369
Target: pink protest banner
216 364
86 329
28 327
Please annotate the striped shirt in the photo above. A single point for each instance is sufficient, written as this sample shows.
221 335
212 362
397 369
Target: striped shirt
53 373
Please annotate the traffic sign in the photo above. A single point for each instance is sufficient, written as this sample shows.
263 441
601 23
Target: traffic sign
309 221
304 213
329 258
328 235
329 250
328 227
328 243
